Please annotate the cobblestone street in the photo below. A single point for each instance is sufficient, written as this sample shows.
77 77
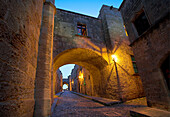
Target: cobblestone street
71 105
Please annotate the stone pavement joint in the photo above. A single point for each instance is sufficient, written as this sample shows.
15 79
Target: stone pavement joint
104 101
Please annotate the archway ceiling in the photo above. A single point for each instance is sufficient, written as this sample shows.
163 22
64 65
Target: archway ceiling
65 83
79 55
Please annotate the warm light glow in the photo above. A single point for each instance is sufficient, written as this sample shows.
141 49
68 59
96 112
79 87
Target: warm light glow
125 31
65 86
72 82
114 58
80 75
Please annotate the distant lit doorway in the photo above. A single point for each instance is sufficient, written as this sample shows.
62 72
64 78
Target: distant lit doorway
65 87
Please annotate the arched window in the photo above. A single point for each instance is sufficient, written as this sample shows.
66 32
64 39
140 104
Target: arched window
165 67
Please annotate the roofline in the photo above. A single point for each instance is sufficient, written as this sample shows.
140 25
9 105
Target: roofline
121 5
77 13
107 6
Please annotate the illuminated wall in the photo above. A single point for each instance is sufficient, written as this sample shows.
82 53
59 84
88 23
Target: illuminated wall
58 83
105 37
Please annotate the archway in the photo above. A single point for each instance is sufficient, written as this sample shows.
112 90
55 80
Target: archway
86 58
65 86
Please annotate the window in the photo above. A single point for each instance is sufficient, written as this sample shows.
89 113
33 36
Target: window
141 23
81 29
134 64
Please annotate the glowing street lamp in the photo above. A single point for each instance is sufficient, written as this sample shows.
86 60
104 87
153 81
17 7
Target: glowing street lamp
114 58
72 82
81 76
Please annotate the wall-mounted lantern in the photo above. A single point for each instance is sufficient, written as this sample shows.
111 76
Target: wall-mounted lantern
72 82
114 58
81 75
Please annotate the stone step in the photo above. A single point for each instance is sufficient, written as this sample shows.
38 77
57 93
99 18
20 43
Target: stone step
148 112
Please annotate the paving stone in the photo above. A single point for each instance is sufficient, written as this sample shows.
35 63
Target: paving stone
71 105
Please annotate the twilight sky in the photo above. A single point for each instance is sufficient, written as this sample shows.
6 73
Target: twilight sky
87 7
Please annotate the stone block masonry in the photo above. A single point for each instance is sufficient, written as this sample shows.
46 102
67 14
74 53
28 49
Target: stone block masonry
43 83
151 48
117 43
20 23
105 36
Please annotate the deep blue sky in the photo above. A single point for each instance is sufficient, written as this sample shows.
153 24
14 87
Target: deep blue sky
87 7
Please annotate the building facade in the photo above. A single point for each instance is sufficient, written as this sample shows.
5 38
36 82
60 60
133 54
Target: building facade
75 85
105 36
80 80
147 24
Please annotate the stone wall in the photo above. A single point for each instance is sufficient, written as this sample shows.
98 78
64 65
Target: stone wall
65 32
81 85
151 48
105 37
66 38
20 23
74 78
154 10
58 83
120 83
43 88
70 83
87 83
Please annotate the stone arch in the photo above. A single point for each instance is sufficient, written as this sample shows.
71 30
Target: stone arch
87 58
66 83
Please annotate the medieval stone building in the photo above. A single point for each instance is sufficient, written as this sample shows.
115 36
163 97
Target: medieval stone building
36 39
80 80
147 24
77 38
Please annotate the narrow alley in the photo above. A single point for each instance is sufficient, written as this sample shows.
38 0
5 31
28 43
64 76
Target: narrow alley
72 105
